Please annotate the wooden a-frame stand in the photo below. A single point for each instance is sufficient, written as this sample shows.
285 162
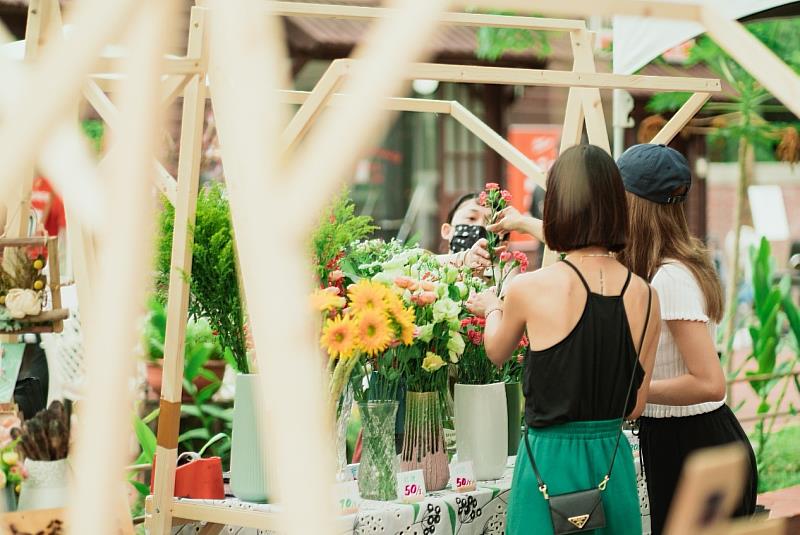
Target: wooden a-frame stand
268 169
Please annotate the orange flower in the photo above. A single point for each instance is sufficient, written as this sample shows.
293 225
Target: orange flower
366 295
339 337
327 299
374 332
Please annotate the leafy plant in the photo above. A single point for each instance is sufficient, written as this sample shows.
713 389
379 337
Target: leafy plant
214 282
766 330
200 343
94 130
338 228
494 42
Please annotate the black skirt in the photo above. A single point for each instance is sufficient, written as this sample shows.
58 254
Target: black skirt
667 442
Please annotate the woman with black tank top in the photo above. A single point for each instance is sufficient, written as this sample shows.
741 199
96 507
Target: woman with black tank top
593 329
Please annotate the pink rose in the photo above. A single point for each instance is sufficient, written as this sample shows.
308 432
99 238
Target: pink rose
403 282
427 298
491 186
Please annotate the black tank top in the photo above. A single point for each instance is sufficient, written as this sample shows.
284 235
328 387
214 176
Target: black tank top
586 375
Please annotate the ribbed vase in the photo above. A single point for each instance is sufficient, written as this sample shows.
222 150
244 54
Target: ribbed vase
423 443
247 468
514 409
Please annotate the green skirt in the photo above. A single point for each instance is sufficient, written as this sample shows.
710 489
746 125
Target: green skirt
573 457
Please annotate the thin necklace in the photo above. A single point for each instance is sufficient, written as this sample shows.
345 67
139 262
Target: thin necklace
599 255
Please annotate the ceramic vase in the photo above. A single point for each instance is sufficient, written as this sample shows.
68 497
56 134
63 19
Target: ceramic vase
47 485
423 441
482 428
247 468
514 410
377 472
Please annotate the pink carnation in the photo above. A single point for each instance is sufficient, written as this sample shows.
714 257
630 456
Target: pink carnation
505 256
482 198
491 186
505 195
520 257
475 337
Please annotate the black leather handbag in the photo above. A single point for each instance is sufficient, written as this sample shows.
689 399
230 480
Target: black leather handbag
581 511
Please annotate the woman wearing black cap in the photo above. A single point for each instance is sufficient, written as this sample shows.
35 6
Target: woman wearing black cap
686 408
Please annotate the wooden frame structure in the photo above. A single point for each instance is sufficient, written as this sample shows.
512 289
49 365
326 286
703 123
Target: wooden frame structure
267 169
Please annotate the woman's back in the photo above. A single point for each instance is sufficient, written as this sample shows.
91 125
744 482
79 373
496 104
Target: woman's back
585 321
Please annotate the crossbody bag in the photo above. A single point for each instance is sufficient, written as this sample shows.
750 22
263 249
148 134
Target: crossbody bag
580 511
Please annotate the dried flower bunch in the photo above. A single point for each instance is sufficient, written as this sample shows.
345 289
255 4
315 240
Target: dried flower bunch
45 437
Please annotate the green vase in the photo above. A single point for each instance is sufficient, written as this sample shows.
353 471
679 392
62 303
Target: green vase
248 481
423 441
377 472
514 408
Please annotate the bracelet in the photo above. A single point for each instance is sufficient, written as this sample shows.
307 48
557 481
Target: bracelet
488 312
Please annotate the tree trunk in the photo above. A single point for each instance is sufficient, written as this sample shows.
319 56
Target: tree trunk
746 161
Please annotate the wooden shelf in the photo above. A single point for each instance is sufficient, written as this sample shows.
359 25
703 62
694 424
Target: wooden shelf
227 515
46 322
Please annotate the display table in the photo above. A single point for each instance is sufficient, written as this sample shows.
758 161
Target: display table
482 511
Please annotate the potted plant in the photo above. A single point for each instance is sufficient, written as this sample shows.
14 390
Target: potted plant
204 364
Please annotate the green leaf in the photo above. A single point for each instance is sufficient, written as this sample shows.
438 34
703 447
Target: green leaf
415 506
213 440
152 416
663 102
194 434
219 413
191 410
196 357
452 513
146 438
142 488
763 408
206 393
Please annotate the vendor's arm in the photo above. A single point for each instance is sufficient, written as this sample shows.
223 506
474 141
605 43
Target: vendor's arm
476 257
505 321
510 219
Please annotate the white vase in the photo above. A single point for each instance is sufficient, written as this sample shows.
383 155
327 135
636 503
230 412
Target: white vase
247 467
47 485
482 428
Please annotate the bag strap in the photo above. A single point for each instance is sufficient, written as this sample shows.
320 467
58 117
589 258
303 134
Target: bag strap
602 485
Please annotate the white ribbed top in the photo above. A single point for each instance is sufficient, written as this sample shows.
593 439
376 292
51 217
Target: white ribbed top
681 299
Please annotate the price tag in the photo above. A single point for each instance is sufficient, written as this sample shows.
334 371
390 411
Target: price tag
462 476
347 497
411 486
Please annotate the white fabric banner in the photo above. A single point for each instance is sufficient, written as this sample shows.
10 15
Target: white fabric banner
639 40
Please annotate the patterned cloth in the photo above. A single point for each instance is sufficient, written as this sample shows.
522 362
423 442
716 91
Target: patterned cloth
480 512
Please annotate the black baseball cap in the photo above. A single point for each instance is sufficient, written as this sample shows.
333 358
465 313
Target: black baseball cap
656 173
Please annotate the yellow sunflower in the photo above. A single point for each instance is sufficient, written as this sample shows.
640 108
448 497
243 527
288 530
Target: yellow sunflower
326 300
374 332
339 337
367 295
405 319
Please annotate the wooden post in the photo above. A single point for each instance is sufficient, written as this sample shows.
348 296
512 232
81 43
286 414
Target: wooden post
583 50
194 99
120 285
681 118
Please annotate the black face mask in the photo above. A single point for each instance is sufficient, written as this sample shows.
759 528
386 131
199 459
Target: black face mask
465 236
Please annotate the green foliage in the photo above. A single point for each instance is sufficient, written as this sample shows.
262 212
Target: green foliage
494 42
214 282
94 130
338 228
781 460
771 303
200 343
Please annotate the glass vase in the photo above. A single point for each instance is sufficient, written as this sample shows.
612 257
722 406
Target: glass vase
377 472
423 443
342 420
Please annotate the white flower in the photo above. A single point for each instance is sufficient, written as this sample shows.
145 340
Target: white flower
21 303
463 290
445 310
425 332
455 345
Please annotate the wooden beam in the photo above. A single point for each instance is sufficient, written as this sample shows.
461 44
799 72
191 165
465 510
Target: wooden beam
582 8
583 51
681 118
755 57
314 104
185 202
166 183
504 75
170 65
123 279
498 143
345 12
95 96
419 105
173 87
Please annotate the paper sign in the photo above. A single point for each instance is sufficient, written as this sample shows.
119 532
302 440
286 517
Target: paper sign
411 486
462 476
347 497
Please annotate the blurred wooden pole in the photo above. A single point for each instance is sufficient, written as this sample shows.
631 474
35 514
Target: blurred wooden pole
125 250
